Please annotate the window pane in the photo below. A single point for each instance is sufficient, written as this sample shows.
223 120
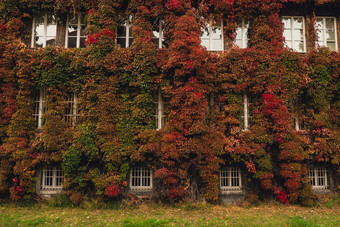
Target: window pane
330 23
216 45
121 42
330 35
287 34
82 30
130 31
286 22
156 35
299 46
72 30
163 122
121 31
155 40
298 34
39 29
82 41
298 23
239 33
205 43
39 41
239 42
52 30
72 42
50 41
331 45
205 32
216 33
319 23
319 34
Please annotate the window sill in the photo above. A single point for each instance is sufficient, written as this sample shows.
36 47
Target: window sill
321 190
232 192
50 191
141 193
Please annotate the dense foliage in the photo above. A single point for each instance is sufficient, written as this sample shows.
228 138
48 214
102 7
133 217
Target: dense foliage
204 90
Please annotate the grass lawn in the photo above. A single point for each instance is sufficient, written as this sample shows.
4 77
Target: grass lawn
177 215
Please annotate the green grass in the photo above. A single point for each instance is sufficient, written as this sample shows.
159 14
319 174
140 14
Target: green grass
178 215
333 202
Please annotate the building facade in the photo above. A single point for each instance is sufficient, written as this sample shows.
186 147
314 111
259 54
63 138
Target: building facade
173 100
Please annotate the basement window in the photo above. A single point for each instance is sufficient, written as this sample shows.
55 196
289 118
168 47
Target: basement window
140 179
231 179
44 30
294 33
52 178
318 178
326 32
212 36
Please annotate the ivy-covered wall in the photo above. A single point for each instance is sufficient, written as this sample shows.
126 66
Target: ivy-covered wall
116 88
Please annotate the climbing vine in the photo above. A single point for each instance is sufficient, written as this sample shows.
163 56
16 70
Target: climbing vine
204 91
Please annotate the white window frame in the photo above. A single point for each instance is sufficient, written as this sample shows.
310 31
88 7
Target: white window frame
243 28
79 24
324 32
159 109
210 39
246 115
140 179
72 110
45 31
292 38
127 37
39 108
316 173
52 182
231 179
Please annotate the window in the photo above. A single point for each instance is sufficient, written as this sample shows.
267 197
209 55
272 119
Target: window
158 38
124 34
52 178
44 30
246 113
230 179
212 36
72 111
140 179
75 31
39 108
300 123
241 39
326 32
294 33
318 178
160 107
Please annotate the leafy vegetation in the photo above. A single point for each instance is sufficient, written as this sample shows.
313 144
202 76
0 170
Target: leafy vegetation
116 86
